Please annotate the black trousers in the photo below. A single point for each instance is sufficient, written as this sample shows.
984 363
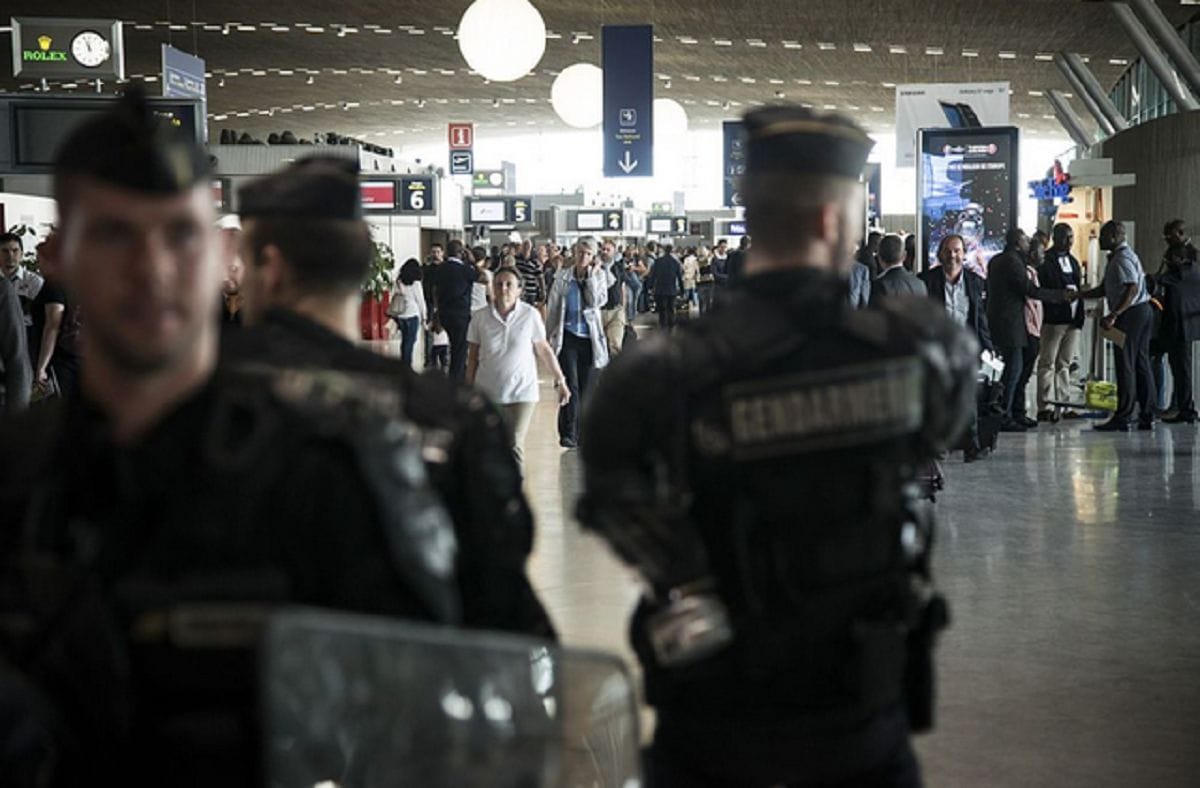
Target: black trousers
1029 363
1014 365
576 360
1180 356
665 306
456 329
1135 379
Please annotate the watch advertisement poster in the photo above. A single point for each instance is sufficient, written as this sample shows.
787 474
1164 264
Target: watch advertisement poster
67 49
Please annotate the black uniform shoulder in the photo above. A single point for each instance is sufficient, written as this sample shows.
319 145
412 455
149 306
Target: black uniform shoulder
31 442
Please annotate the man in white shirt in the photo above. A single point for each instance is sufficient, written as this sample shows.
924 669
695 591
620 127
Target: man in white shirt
504 341
26 283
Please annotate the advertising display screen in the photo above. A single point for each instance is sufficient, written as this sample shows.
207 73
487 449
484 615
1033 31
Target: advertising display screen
659 224
589 221
378 195
967 185
488 212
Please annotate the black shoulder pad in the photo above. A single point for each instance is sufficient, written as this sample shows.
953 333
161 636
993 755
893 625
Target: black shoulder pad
288 409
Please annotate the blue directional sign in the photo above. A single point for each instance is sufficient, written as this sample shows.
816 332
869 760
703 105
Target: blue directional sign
628 63
183 77
462 162
734 160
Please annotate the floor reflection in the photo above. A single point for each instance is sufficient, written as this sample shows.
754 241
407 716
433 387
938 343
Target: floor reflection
1070 559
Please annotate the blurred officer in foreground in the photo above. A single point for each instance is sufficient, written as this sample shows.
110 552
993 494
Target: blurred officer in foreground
307 250
757 470
153 522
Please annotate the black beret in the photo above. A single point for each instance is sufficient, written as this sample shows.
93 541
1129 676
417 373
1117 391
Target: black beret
316 187
786 138
130 146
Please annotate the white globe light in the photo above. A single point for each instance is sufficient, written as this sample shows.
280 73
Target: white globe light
578 95
670 120
502 40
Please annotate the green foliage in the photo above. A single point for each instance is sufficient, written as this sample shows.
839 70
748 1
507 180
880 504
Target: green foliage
379 277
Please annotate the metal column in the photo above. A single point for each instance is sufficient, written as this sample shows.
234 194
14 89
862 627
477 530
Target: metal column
1107 127
1162 29
1067 117
1093 88
1154 58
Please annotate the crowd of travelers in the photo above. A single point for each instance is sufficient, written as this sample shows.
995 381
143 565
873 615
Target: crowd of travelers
1028 310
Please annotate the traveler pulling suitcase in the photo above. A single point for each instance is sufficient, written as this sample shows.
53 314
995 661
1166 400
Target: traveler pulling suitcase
931 480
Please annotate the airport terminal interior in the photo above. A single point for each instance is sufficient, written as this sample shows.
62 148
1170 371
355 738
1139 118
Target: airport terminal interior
620 140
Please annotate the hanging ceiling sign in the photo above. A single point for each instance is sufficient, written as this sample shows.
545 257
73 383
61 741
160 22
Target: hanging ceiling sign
66 49
734 164
183 77
628 61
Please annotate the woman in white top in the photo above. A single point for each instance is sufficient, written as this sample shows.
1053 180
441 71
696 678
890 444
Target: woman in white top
407 307
503 343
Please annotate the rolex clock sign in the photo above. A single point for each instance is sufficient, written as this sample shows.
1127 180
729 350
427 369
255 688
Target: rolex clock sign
67 49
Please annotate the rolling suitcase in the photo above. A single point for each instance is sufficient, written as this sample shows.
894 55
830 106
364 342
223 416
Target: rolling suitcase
931 480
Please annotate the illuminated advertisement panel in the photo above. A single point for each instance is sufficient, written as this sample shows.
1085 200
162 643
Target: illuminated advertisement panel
967 184
378 195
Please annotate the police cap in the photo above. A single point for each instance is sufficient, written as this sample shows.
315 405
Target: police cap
316 187
130 146
785 138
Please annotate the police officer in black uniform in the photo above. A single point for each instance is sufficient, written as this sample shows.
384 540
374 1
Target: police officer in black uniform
151 523
307 249
757 469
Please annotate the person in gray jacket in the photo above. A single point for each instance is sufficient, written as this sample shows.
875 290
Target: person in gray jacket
18 376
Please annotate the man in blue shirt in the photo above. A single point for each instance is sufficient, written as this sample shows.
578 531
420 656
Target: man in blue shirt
1129 311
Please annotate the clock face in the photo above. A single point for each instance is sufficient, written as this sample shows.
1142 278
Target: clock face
90 49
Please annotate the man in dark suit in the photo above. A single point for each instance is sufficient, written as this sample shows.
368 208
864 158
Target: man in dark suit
961 292
1181 317
894 279
958 290
736 263
451 284
666 279
1008 286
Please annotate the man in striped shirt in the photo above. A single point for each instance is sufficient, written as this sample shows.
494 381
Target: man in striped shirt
533 279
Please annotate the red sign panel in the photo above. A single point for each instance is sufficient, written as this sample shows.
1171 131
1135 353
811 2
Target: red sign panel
462 136
378 195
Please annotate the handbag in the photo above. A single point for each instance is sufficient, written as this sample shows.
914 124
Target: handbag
398 303
48 390
1100 395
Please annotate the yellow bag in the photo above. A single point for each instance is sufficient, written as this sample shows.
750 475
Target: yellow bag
1101 395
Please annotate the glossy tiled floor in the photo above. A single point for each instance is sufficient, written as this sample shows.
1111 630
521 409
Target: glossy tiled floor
1072 562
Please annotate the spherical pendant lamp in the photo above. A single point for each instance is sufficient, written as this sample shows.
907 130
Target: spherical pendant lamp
670 119
502 40
577 95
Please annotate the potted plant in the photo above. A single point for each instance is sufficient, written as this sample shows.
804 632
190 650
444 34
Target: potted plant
377 289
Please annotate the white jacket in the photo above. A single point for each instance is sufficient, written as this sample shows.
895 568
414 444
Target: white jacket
556 310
